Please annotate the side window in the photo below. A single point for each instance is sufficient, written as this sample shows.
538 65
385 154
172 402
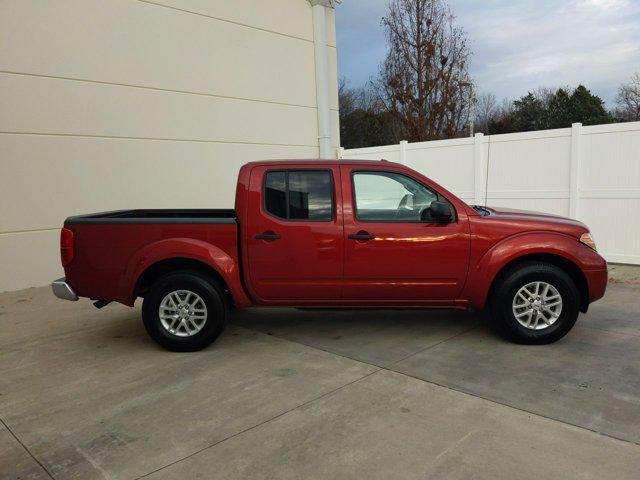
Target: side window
275 194
303 195
389 197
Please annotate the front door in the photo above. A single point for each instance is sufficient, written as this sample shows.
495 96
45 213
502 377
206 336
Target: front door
295 234
393 253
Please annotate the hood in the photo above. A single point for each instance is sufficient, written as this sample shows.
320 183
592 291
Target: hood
536 220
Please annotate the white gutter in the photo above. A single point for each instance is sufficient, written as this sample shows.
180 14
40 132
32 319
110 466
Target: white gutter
322 75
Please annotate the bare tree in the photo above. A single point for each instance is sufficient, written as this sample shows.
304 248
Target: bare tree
424 81
546 94
506 106
363 98
486 109
347 97
364 121
628 100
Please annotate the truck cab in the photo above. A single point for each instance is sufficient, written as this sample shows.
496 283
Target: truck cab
359 233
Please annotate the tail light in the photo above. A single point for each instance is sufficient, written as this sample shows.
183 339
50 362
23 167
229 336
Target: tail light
66 246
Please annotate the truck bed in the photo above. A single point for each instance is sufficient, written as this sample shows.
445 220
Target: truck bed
157 216
112 246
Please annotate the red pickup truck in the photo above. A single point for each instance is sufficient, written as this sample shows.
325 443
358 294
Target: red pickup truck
333 234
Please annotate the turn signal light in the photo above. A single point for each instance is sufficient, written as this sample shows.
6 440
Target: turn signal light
588 240
66 246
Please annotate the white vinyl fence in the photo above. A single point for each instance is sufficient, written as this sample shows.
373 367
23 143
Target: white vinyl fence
589 173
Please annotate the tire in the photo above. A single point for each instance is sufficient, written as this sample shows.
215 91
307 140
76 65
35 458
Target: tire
177 329
539 322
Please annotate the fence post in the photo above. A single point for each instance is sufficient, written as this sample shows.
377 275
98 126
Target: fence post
340 153
574 185
403 152
480 170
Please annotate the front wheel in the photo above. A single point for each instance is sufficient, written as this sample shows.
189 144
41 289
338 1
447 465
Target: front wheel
184 311
535 303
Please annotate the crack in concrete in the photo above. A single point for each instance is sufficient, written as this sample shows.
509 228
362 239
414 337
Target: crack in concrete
459 390
275 417
26 449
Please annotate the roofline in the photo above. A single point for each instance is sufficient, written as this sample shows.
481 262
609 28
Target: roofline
325 162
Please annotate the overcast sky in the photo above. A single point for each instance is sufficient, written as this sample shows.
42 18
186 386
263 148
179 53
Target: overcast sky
517 45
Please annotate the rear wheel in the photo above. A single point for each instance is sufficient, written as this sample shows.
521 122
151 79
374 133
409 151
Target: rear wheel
535 303
184 311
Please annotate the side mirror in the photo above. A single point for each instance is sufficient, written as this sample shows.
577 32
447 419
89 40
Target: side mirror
438 212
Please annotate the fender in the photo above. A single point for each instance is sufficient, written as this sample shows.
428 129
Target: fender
483 272
214 257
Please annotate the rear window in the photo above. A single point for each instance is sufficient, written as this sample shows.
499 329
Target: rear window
300 195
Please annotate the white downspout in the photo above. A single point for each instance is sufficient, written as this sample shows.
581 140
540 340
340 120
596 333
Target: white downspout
322 76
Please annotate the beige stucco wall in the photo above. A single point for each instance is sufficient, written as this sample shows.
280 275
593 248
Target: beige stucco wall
135 104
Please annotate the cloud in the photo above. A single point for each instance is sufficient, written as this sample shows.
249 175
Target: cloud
517 46
606 4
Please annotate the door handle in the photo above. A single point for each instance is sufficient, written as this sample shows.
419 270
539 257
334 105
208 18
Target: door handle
267 236
361 235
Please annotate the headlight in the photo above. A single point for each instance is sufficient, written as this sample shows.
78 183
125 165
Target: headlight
588 240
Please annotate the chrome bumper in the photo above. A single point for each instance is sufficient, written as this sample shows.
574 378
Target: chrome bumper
63 290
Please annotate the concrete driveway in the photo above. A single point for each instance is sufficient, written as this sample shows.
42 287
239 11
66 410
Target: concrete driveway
289 394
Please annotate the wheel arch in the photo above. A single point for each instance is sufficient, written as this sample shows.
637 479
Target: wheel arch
559 261
168 265
183 253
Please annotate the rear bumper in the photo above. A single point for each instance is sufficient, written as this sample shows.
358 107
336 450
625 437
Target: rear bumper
63 290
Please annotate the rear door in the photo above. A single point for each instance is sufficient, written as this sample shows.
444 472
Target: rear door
391 254
295 234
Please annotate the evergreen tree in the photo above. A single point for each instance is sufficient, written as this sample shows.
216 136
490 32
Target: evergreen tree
541 111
